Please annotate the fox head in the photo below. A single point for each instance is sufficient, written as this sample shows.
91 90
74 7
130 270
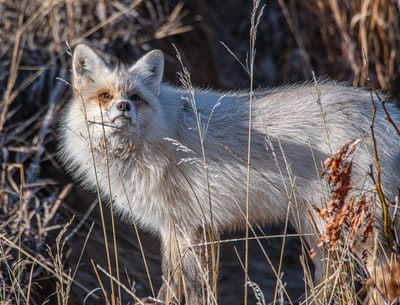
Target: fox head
117 103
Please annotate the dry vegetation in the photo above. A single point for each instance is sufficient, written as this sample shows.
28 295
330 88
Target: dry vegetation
295 37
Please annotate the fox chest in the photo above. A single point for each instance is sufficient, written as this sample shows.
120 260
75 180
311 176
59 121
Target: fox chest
148 196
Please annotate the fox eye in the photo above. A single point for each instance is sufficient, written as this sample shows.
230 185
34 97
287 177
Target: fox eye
105 95
135 98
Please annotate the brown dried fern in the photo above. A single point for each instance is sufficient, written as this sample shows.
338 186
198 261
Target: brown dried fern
345 217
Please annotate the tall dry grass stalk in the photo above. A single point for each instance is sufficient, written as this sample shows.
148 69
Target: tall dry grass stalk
255 21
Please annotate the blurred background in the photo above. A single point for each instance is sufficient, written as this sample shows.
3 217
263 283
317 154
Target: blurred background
52 245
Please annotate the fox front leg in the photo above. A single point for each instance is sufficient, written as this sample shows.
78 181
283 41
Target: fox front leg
189 266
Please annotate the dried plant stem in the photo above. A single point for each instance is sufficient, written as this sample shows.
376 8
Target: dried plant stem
146 266
15 60
113 17
378 182
255 20
111 212
97 190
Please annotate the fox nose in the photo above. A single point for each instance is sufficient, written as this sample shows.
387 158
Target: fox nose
123 106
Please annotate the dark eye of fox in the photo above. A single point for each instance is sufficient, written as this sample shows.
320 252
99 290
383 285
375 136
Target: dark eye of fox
134 97
105 96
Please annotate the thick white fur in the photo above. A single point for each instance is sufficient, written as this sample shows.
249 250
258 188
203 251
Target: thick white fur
173 165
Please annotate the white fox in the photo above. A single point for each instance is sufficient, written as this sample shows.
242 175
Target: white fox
175 161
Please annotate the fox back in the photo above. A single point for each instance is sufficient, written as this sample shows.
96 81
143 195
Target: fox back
180 158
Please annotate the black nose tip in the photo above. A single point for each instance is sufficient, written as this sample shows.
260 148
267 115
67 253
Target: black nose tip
123 106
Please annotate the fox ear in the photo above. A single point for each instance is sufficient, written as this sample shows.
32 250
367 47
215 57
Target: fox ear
86 64
151 68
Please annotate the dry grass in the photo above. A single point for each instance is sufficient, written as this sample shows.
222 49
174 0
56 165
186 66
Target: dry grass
330 37
335 37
